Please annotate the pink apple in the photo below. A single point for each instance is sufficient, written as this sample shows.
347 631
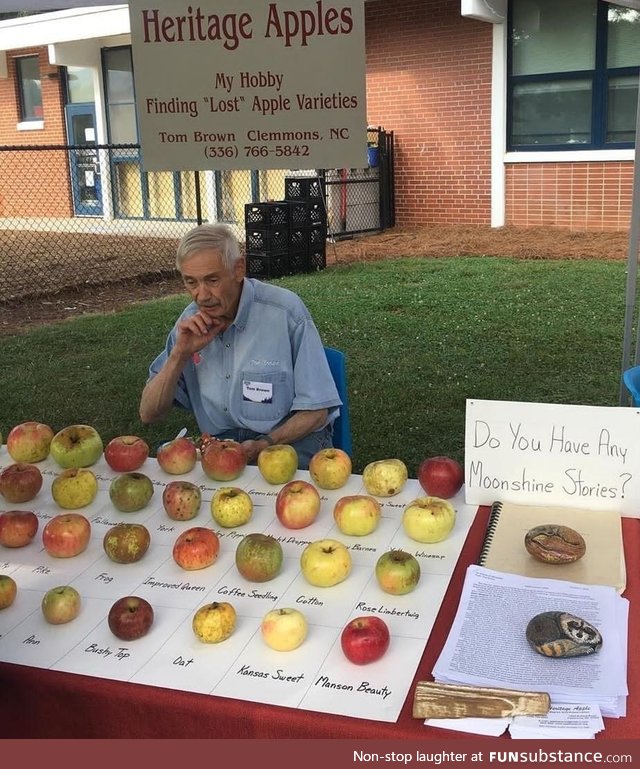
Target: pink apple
29 442
126 453
223 460
297 504
196 548
365 639
178 456
66 535
181 500
17 528
20 482
441 477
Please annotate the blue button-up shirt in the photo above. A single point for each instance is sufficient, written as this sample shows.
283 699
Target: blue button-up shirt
268 363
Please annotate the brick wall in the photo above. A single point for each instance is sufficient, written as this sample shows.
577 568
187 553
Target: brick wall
429 81
33 183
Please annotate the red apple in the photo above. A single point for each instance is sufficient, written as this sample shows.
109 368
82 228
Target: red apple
297 504
223 460
29 442
130 617
365 639
196 548
66 535
181 500
20 482
126 453
441 477
178 456
17 528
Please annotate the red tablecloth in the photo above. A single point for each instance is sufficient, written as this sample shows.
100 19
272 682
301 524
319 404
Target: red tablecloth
44 703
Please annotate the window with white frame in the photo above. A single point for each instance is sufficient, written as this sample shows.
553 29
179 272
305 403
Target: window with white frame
29 88
573 74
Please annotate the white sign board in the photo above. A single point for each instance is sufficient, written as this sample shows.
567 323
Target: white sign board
542 453
250 85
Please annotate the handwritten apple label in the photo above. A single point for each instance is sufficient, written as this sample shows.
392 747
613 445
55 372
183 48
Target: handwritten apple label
309 600
277 675
364 687
238 593
382 609
152 582
32 640
119 654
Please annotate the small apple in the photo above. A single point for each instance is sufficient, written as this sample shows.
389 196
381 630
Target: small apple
397 572
259 557
181 500
441 477
231 506
284 629
196 548
178 456
297 504
278 463
385 478
325 562
130 618
74 488
131 492
126 453
214 622
76 446
20 482
66 535
223 460
126 542
330 468
29 442
17 527
365 639
357 515
428 519
8 591
61 604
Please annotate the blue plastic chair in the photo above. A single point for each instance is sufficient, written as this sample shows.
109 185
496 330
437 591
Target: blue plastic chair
342 425
631 379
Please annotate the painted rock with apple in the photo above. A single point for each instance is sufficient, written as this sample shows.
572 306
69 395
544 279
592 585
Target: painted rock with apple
126 542
284 629
231 506
126 453
297 504
61 604
223 460
397 572
196 548
20 482
441 476
29 442
178 456
181 500
325 562
259 557
8 591
330 468
130 618
76 446
131 492
357 515
385 477
428 519
214 622
17 527
365 640
66 535
278 463
74 488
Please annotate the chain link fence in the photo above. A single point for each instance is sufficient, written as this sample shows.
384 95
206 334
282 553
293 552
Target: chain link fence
89 215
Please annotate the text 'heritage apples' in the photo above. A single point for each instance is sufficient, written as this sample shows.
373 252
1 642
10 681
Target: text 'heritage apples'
441 477
76 446
365 640
126 453
8 591
61 604
66 535
20 482
29 442
17 527
214 622
178 456
223 460
130 618
297 504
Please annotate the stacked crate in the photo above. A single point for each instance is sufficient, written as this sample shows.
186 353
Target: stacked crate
307 223
267 239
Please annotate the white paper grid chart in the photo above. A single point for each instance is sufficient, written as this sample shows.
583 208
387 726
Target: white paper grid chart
316 676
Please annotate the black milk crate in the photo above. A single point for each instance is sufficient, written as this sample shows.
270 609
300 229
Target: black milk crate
316 259
317 214
298 261
298 213
263 266
271 214
267 241
317 237
304 188
298 239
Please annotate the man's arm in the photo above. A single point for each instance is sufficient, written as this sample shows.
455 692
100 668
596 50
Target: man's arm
299 424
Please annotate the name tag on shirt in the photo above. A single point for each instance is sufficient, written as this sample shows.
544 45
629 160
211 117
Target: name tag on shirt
257 392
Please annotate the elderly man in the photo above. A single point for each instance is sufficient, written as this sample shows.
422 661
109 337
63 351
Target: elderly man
245 356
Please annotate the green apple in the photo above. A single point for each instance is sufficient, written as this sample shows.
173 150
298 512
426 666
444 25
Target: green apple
231 506
76 446
428 519
61 604
397 572
130 492
278 463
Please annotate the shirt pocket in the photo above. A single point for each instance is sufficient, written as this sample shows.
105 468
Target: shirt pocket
265 395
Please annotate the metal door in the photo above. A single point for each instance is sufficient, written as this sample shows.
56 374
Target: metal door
84 164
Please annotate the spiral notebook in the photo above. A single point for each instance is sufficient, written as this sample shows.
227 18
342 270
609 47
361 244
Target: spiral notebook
602 564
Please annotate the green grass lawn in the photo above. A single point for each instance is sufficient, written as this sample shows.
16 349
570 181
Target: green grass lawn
421 336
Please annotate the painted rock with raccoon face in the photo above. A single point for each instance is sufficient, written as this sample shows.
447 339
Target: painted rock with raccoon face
560 634
553 543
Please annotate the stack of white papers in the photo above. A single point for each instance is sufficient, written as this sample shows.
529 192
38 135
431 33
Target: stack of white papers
487 645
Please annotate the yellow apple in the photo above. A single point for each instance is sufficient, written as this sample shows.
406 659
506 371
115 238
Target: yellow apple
231 506
357 515
284 629
278 463
385 478
428 519
330 468
325 562
8 591
214 622
74 488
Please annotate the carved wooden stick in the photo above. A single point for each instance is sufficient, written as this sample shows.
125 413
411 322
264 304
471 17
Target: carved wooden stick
432 700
